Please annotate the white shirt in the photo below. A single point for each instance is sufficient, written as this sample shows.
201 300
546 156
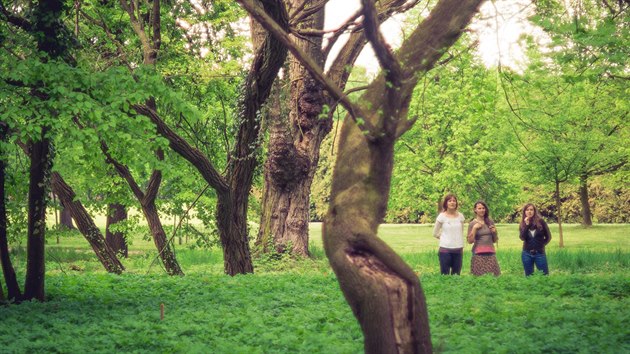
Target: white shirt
449 230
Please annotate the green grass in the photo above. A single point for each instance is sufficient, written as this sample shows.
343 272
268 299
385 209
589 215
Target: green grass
295 306
412 238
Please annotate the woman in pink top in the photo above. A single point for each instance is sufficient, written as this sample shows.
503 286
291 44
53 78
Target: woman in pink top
483 234
449 229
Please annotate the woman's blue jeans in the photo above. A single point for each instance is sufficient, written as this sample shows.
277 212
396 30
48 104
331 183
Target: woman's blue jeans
539 259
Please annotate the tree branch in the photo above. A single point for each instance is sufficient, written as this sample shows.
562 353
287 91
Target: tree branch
270 25
15 20
382 50
181 146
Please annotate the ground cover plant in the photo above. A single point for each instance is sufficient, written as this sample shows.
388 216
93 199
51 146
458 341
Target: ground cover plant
295 306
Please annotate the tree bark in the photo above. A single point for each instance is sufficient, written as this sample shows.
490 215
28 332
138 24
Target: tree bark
559 211
383 292
232 224
13 288
586 205
116 240
66 218
293 153
86 225
39 172
162 244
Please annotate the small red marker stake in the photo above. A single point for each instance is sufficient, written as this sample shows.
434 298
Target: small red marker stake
161 311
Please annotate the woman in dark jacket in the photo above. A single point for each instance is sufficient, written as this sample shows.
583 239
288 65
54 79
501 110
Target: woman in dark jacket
535 235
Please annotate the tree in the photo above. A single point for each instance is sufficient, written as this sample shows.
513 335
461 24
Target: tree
456 146
590 41
34 70
105 253
49 36
13 289
115 239
295 141
383 292
233 187
65 218
571 116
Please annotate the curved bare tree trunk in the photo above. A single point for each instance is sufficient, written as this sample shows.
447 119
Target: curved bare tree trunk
116 240
383 292
86 225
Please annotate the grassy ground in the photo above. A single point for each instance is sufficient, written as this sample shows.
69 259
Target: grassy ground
295 306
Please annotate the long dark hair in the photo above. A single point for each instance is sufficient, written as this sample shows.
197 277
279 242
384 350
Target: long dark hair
486 216
536 219
446 199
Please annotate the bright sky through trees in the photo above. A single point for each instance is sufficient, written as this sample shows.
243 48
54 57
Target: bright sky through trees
500 27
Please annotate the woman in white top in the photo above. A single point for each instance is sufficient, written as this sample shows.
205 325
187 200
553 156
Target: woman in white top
449 229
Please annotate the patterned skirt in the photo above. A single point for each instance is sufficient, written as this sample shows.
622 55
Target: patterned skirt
483 264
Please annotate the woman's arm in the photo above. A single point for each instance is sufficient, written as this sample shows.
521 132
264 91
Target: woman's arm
522 232
472 230
547 232
437 229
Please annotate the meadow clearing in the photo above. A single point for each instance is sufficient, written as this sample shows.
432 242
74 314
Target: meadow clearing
295 306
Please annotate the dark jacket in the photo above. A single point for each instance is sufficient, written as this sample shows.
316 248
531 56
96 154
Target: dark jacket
541 237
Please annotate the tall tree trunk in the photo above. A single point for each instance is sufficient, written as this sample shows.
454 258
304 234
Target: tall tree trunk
166 253
13 288
39 172
586 205
232 206
86 225
66 218
233 189
559 211
292 159
293 153
382 290
116 240
232 225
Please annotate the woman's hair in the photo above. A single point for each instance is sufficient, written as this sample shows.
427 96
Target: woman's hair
447 198
486 216
536 219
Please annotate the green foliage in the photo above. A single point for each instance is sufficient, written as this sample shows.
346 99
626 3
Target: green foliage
296 305
455 145
303 311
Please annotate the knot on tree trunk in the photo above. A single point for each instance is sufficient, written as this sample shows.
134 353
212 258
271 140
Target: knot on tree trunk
286 165
310 107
